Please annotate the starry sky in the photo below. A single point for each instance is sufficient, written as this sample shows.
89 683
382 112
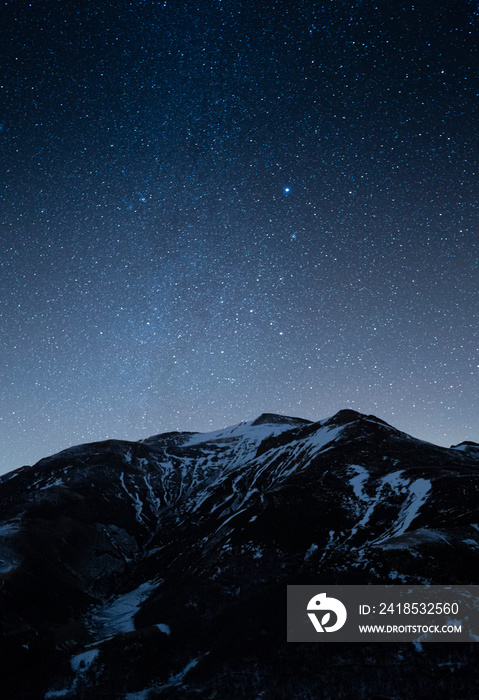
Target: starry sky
216 209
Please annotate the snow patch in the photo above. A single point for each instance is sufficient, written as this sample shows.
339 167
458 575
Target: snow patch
8 529
117 617
465 447
56 482
154 500
329 544
7 565
164 628
413 538
247 431
357 482
82 662
257 551
80 665
178 677
418 491
310 551
324 436
137 502
394 576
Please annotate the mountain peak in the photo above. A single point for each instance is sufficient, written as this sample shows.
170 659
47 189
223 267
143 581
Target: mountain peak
348 415
466 445
268 418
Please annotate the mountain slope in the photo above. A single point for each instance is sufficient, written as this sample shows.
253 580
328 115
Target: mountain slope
158 569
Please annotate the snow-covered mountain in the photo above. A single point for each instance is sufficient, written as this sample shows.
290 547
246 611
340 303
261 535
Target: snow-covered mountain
158 569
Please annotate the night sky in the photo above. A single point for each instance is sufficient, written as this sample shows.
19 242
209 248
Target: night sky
215 209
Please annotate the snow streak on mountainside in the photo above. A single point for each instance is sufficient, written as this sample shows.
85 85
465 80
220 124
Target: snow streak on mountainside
158 569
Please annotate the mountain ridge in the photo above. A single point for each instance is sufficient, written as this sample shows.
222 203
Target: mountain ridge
343 417
122 563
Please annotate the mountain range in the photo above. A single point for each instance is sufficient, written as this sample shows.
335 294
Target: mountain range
158 569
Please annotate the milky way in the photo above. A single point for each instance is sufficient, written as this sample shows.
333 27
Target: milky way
221 208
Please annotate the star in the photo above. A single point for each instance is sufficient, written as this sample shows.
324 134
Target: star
112 311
